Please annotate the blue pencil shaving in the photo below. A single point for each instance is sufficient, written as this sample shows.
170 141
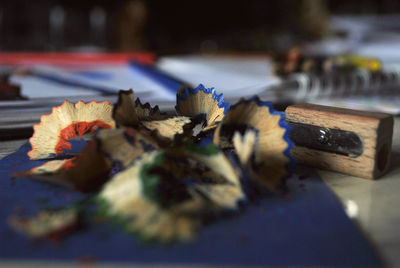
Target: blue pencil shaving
254 129
283 124
156 166
219 98
202 101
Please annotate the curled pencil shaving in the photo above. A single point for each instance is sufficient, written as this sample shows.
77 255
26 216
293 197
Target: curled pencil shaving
205 170
85 172
109 148
227 194
66 121
244 145
124 112
202 101
124 197
129 112
268 167
123 146
165 198
146 112
168 128
46 224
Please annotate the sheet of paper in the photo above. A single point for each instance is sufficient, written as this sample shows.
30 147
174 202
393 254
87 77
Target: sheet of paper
55 81
233 76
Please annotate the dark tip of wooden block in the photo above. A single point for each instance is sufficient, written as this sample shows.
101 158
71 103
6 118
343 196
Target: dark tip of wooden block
383 157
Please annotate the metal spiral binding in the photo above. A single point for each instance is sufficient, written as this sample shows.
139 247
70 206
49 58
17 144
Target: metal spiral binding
304 86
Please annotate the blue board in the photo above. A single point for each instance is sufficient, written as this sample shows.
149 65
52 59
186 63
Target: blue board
309 228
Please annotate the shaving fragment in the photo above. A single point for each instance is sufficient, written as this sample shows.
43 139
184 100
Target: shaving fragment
244 145
197 101
124 112
109 148
168 128
124 198
271 147
166 195
46 224
204 170
123 146
147 112
85 172
129 112
66 121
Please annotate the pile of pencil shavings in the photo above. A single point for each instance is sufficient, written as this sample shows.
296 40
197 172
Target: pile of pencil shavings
163 176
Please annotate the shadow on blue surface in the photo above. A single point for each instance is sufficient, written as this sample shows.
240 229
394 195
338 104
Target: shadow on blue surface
307 228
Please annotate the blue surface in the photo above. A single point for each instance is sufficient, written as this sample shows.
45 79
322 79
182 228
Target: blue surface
308 227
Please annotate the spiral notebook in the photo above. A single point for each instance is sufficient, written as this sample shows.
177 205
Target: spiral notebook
241 77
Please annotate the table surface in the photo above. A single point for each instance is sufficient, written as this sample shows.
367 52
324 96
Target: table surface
371 204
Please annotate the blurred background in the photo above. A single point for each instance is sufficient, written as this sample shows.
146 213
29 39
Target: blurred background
296 50
171 26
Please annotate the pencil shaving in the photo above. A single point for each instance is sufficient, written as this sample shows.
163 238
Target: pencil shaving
85 172
202 101
129 112
152 174
124 145
124 112
66 121
225 194
168 193
147 112
168 128
46 223
124 198
272 146
244 145
205 168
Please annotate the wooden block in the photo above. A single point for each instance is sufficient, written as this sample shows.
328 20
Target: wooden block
374 129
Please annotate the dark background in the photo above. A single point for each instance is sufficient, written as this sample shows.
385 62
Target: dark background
171 26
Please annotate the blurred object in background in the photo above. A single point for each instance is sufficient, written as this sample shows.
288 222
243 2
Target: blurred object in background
174 26
97 25
9 91
211 26
165 26
295 61
56 26
129 27
217 27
